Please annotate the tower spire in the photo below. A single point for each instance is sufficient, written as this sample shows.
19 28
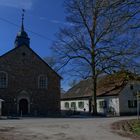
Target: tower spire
22 37
22 24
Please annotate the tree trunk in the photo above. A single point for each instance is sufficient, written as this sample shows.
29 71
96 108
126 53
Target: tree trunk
94 98
94 82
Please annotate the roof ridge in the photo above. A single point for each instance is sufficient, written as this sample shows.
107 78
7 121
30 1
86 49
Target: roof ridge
10 51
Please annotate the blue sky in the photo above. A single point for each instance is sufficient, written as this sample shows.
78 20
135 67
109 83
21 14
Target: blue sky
42 16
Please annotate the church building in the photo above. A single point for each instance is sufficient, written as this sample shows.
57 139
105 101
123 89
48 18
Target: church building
28 85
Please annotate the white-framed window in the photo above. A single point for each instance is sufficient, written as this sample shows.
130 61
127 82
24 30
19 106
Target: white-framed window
42 81
67 105
81 105
73 105
102 104
132 103
3 79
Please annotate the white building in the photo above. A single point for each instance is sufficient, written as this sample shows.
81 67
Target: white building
1 106
116 95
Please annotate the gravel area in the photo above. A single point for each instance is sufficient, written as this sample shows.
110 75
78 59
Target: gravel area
60 129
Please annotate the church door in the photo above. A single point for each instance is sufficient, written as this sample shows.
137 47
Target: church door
23 107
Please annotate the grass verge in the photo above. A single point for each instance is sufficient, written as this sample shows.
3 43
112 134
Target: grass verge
135 124
127 128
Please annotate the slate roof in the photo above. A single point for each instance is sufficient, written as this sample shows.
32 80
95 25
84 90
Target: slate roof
109 85
1 100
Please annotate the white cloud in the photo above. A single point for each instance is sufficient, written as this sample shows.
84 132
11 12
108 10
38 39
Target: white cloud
55 21
59 22
26 4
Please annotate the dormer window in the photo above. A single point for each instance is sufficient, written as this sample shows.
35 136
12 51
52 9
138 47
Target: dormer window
3 80
131 87
42 82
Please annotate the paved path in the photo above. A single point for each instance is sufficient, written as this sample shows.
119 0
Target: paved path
59 129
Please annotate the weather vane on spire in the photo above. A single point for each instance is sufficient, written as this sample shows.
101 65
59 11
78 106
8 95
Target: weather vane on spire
23 11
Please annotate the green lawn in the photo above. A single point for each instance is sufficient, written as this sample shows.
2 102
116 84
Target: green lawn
136 127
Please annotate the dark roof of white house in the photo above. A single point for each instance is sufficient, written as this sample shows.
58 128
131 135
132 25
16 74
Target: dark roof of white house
109 85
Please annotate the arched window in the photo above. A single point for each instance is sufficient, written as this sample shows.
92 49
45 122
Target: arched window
3 80
42 82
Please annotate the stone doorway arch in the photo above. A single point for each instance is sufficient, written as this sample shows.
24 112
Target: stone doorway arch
23 103
23 107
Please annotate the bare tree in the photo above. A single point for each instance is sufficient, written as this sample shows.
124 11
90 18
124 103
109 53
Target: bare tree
102 37
51 61
73 83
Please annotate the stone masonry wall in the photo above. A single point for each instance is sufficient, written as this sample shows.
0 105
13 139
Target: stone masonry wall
23 67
